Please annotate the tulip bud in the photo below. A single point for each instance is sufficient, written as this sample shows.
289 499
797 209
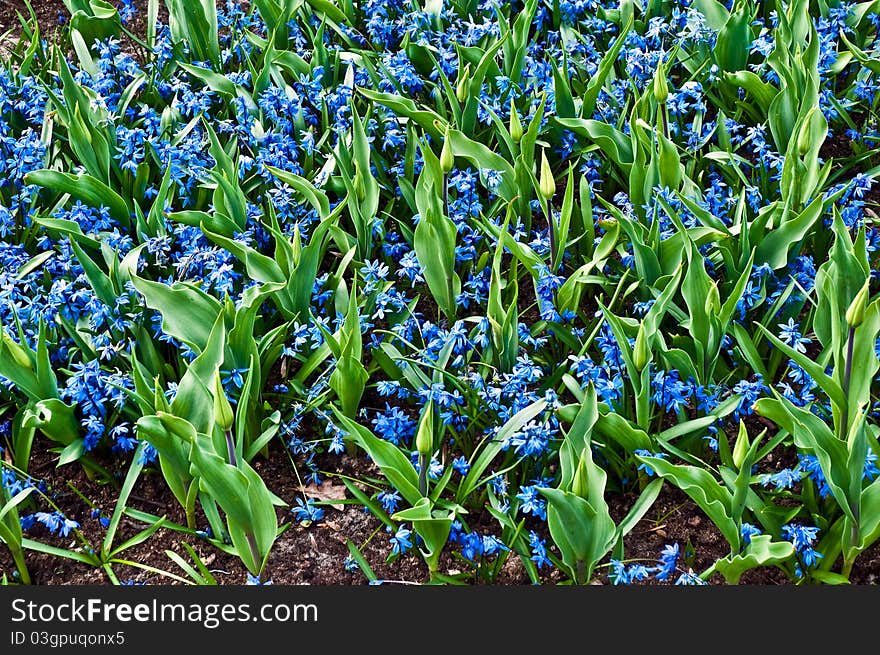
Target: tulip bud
713 301
641 352
741 447
160 402
464 79
661 90
447 159
580 485
18 353
546 185
607 222
223 415
855 314
516 128
425 433
805 136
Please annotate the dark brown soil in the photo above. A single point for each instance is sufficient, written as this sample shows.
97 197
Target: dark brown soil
838 147
316 554
47 12
674 518
302 555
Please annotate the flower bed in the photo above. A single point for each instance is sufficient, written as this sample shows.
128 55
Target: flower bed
466 292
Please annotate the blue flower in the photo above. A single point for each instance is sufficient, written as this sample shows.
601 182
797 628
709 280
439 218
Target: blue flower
802 538
306 512
690 579
617 573
532 502
389 500
747 530
255 580
783 479
538 547
789 333
56 523
667 562
400 542
647 453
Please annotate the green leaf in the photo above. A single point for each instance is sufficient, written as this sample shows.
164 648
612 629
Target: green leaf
704 490
162 432
434 238
583 535
362 563
762 551
611 141
428 120
194 400
99 280
812 432
54 419
395 466
315 197
716 14
616 427
640 507
195 22
734 40
134 471
482 157
215 81
816 371
259 267
433 526
188 313
606 65
578 438
86 188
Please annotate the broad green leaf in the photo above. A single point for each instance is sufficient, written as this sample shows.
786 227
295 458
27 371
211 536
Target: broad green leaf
762 551
704 490
393 463
188 313
84 187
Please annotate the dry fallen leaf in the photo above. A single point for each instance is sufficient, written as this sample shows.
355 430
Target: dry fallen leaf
326 492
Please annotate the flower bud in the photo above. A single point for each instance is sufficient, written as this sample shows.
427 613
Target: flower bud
358 184
713 301
464 80
661 90
447 159
641 351
741 447
580 485
855 314
805 136
546 185
160 401
425 433
223 415
18 353
516 128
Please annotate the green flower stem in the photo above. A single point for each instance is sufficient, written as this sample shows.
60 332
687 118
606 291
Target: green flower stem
190 507
20 564
255 551
424 463
847 375
643 399
230 447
